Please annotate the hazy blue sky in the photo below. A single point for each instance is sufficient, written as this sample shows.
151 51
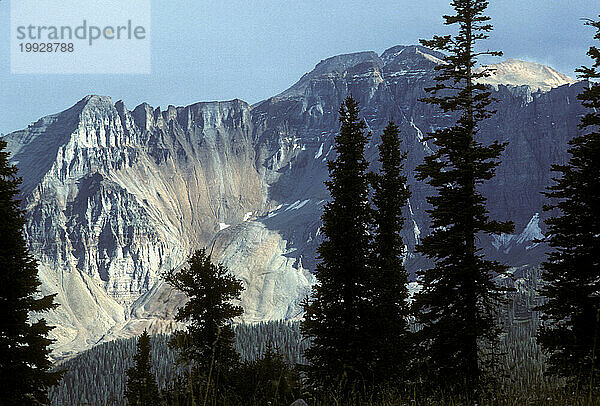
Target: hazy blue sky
225 49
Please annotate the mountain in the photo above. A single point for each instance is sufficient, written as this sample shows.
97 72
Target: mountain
114 197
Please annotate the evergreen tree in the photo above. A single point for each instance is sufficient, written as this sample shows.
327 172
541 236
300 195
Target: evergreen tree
207 342
142 389
571 315
336 316
456 304
390 292
269 380
24 347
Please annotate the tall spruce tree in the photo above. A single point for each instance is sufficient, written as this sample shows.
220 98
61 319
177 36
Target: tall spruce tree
457 302
390 292
25 365
142 389
337 315
571 314
207 342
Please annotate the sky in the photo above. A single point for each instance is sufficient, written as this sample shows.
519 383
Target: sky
253 49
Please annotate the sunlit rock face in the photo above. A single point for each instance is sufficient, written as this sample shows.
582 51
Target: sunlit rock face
115 197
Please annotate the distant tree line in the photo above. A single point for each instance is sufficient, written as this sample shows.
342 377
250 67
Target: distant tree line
98 376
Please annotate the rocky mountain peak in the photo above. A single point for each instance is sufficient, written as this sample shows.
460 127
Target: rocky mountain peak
410 60
334 66
340 63
95 101
368 67
399 53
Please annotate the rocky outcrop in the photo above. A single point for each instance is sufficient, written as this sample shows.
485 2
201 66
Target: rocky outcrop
114 197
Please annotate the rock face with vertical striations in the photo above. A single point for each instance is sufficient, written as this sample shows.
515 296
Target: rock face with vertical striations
114 197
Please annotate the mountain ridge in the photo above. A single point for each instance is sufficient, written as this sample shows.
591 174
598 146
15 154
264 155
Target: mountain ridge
114 197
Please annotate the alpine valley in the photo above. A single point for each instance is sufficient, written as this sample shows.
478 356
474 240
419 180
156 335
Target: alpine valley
115 197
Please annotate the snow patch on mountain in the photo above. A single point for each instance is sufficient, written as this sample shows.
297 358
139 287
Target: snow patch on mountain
519 73
502 241
532 232
297 205
528 237
319 152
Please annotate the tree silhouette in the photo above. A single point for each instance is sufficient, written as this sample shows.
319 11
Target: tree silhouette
207 342
571 314
142 389
457 302
337 315
24 347
390 292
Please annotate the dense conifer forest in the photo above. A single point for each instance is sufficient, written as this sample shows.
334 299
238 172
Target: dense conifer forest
97 376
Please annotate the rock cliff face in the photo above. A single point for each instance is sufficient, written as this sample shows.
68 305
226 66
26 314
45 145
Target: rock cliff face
115 197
